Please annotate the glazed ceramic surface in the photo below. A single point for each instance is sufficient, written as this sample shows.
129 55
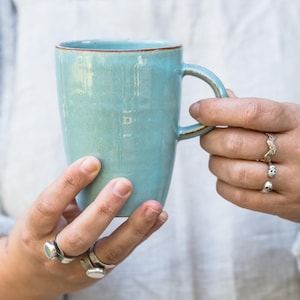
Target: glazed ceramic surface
120 101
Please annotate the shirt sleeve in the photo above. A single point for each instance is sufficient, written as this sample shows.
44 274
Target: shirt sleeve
296 249
6 224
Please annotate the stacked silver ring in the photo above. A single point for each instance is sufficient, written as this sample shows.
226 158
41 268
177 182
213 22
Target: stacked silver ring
93 266
268 185
53 251
90 262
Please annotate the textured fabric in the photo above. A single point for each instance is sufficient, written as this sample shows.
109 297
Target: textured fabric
209 249
6 225
7 56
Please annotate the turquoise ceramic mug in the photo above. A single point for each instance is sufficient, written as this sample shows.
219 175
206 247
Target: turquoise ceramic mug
120 101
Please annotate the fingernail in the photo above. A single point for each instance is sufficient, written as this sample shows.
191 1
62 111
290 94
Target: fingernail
194 109
231 93
151 213
163 217
90 164
122 187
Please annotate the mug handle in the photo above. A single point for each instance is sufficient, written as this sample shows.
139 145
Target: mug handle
215 83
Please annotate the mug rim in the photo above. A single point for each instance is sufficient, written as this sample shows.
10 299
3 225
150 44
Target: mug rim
128 45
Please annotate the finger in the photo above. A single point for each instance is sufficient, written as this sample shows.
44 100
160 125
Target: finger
252 113
239 143
78 236
250 175
71 212
270 203
162 218
140 225
50 205
231 94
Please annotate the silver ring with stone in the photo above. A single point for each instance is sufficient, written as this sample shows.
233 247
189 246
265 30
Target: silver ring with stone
93 266
53 251
268 187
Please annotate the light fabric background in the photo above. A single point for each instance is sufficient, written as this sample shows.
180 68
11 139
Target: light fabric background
209 249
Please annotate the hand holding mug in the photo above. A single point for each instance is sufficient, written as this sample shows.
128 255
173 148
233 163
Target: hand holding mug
238 152
55 215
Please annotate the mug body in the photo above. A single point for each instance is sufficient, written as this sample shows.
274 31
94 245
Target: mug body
120 101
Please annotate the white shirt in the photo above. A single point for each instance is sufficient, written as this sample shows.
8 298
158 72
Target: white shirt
209 249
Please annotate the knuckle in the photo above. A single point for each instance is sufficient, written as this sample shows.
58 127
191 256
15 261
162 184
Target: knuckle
114 255
139 227
238 175
106 210
242 199
140 232
71 181
236 196
26 238
253 112
234 143
45 206
76 240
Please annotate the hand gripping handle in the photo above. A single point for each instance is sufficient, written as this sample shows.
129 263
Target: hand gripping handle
215 83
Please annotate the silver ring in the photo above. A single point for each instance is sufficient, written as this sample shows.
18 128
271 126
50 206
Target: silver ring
53 251
272 148
93 266
268 187
272 171
91 270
